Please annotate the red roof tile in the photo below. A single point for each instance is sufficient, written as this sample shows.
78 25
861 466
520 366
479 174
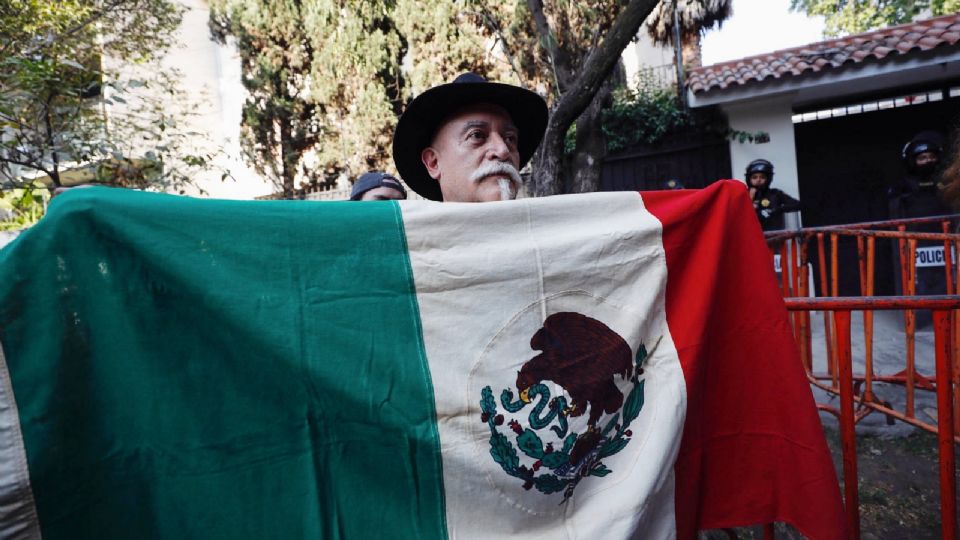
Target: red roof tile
900 40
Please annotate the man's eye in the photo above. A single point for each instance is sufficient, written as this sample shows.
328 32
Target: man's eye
511 138
476 135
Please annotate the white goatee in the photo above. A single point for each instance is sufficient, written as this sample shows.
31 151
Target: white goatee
506 190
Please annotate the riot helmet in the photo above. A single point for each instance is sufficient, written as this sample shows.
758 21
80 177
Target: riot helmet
925 142
760 166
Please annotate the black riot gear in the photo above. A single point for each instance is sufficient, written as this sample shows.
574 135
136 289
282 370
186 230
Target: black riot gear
760 166
918 194
925 141
769 204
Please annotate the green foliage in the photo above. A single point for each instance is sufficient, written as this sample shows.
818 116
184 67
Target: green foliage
276 51
444 40
570 140
641 355
327 79
643 115
130 30
943 7
550 44
855 16
649 113
758 137
550 63
23 206
83 97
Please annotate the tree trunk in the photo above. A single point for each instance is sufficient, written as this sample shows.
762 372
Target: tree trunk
591 144
596 69
547 164
51 141
287 157
692 54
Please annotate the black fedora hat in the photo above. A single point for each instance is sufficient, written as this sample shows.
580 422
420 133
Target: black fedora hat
427 111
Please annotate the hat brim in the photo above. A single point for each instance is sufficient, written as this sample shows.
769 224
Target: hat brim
428 110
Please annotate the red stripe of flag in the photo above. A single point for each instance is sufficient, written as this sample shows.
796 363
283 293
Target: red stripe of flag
753 449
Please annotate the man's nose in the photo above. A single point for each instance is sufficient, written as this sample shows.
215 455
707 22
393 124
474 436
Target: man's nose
497 148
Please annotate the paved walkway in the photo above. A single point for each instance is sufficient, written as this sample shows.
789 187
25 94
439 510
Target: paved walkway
889 357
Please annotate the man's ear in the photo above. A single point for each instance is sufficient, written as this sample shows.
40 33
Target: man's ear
430 160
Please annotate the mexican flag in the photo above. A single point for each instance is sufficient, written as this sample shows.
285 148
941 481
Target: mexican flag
612 365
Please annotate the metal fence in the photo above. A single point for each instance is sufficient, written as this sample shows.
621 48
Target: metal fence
796 255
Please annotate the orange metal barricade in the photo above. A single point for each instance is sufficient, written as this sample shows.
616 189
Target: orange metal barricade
819 248
944 315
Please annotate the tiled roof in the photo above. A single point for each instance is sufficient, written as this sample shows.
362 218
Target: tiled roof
832 54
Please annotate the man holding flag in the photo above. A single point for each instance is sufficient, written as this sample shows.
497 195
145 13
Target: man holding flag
591 366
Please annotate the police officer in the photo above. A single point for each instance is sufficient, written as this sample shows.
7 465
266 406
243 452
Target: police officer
918 193
769 203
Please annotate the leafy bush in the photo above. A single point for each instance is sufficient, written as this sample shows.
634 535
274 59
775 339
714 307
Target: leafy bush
643 115
21 208
650 112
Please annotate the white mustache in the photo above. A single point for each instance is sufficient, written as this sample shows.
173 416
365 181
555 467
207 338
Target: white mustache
496 168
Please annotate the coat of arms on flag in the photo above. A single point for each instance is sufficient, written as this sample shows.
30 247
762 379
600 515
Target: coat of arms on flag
577 455
583 360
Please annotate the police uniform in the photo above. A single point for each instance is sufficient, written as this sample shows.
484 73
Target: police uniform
770 204
916 195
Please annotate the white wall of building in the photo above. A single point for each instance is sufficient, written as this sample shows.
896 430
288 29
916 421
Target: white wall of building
210 109
212 77
772 116
642 54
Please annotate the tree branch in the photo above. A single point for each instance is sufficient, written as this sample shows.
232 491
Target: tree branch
48 125
600 63
593 72
558 59
94 16
492 24
22 158
543 26
28 164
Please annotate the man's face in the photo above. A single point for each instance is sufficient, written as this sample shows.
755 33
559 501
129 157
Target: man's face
926 159
474 155
757 179
383 193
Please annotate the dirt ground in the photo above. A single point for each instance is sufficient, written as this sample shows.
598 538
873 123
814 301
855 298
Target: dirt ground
899 488
899 485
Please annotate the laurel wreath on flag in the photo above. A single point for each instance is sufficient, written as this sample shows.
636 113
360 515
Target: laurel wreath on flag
561 474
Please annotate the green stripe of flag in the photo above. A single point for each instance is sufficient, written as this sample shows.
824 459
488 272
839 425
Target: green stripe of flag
218 372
